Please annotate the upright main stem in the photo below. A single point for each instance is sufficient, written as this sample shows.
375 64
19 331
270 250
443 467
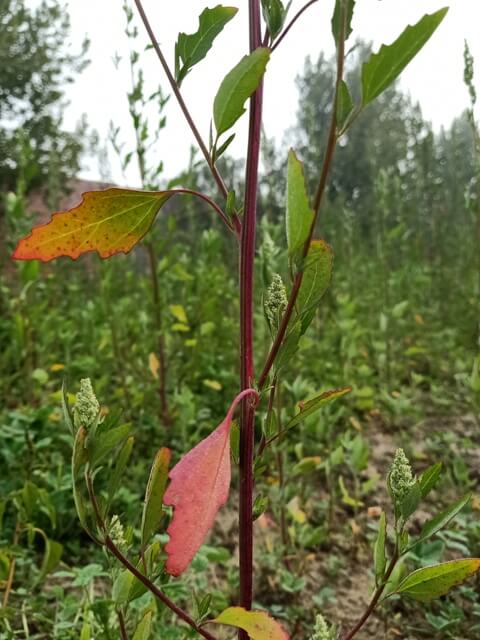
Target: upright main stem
247 259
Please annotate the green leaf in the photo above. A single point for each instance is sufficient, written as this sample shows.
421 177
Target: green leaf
435 581
317 272
344 105
411 501
223 147
80 453
379 550
106 441
384 67
441 520
116 475
274 14
429 478
192 48
157 482
126 586
315 404
336 19
51 557
299 215
289 346
346 497
258 624
122 586
238 85
142 632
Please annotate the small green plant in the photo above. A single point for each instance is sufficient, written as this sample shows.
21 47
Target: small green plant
183 502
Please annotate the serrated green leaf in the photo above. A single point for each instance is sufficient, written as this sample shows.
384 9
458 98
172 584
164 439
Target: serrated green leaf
157 482
441 520
238 85
315 404
379 549
106 441
382 68
429 478
192 48
299 214
336 23
317 273
435 581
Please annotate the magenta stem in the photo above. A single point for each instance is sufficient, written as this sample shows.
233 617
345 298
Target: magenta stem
247 260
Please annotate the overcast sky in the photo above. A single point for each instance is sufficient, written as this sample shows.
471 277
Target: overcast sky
434 78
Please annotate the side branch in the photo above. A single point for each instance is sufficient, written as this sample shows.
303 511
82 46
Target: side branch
203 148
292 22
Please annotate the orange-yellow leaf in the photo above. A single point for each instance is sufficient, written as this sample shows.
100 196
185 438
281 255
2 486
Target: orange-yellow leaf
154 365
258 624
199 486
109 222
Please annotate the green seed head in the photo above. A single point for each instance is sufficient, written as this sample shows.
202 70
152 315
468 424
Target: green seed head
275 301
86 407
322 630
401 476
117 532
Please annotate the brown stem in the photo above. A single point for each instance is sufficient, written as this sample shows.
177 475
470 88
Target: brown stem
121 624
327 163
157 314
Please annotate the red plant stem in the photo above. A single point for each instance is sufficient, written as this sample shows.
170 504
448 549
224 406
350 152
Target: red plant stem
151 586
374 601
292 22
322 183
154 589
247 259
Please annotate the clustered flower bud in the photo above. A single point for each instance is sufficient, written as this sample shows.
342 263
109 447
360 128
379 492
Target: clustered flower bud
117 532
401 476
321 630
275 301
86 407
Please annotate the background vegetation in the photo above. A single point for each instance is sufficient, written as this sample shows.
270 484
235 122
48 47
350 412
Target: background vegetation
156 332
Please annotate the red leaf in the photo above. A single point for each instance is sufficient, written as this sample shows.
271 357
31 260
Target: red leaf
199 486
109 222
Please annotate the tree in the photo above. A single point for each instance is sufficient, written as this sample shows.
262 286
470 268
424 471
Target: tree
35 65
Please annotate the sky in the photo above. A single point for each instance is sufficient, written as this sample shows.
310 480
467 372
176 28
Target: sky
434 77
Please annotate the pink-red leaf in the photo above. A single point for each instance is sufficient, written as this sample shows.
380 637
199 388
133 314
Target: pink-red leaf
109 222
199 486
258 624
